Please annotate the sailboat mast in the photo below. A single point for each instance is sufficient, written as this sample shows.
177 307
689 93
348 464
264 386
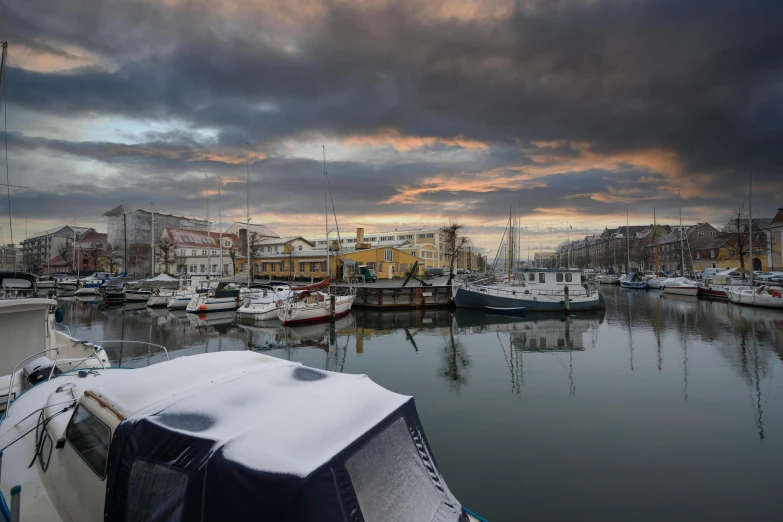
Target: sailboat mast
510 243
209 237
247 203
3 60
326 216
750 231
152 241
220 227
682 252
627 243
655 242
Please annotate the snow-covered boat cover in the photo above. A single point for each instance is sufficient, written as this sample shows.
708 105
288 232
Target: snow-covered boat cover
241 436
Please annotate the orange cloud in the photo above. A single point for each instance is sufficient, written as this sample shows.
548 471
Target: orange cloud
393 138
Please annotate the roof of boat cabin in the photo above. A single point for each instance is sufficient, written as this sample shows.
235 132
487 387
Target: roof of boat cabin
217 380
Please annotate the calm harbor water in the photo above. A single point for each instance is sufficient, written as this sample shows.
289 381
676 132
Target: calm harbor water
660 408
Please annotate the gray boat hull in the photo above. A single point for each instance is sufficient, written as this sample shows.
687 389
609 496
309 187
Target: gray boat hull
466 298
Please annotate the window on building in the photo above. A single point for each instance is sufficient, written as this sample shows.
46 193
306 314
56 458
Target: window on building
193 252
388 256
90 438
203 252
283 267
380 268
712 254
776 236
205 240
301 267
701 234
712 233
225 269
777 257
315 267
276 247
559 278
202 268
263 267
698 255
542 277
300 248
371 239
422 236
531 277
568 278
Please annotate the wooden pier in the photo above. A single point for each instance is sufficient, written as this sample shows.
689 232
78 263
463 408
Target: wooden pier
401 298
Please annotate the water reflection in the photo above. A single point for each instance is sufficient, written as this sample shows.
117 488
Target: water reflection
662 391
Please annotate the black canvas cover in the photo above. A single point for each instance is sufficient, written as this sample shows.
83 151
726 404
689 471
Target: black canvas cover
277 442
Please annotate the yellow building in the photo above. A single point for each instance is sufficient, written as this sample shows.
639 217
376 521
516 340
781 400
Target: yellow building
719 254
288 264
427 253
388 262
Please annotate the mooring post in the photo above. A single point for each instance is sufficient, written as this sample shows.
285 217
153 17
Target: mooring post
16 492
567 303
331 306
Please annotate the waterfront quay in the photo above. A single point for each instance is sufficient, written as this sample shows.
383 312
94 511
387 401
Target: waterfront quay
660 407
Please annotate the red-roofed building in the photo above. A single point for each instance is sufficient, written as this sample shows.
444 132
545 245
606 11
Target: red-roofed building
195 252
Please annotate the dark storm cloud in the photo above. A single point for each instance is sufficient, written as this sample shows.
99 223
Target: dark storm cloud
699 78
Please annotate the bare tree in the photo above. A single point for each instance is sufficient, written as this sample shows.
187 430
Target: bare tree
94 255
232 253
737 233
111 258
139 256
66 252
255 245
453 243
182 263
166 254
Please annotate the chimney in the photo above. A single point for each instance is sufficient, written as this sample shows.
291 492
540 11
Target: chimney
287 248
360 244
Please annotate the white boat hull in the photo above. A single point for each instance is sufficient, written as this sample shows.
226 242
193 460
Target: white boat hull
158 300
178 303
92 290
202 303
753 298
654 283
259 312
301 312
681 290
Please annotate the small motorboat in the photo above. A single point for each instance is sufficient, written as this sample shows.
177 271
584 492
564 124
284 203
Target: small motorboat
765 296
680 286
265 306
634 281
226 296
312 305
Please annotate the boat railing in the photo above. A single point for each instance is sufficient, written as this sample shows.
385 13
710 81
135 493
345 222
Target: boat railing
524 290
13 373
165 351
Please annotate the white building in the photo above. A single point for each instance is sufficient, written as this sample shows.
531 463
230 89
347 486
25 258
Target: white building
195 252
44 246
131 231
10 258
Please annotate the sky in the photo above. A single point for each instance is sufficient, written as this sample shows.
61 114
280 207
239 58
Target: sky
428 112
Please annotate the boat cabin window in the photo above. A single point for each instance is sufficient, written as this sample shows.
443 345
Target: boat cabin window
45 453
542 277
568 278
532 277
559 278
90 438
155 492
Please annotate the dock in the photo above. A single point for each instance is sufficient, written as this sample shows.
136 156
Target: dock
400 297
